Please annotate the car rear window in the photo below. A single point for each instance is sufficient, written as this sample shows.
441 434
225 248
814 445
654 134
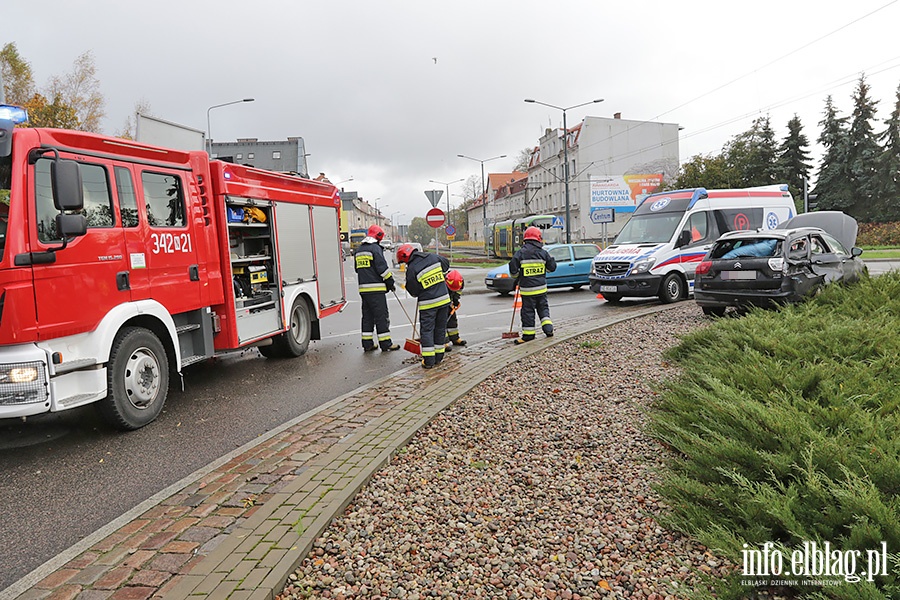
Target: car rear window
747 247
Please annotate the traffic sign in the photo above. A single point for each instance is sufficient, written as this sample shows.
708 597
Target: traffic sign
557 223
435 217
434 196
450 230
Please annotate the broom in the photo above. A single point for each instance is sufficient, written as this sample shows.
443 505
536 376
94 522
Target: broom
509 335
410 345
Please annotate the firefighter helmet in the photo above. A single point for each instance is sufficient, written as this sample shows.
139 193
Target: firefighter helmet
454 280
533 233
404 252
375 232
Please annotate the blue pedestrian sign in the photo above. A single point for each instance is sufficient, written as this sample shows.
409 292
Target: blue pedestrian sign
450 230
557 223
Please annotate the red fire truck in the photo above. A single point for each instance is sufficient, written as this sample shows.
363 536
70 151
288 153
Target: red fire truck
121 263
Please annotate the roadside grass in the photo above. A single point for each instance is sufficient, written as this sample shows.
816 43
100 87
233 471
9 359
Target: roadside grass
880 252
783 427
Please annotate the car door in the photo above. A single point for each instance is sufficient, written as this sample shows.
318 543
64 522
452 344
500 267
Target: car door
565 266
824 261
583 255
851 267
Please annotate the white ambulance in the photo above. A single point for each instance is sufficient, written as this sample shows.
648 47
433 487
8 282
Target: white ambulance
669 233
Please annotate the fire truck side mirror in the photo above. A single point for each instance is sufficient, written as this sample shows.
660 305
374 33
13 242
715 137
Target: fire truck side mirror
69 226
68 193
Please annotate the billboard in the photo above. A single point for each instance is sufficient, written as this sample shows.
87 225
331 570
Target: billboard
622 192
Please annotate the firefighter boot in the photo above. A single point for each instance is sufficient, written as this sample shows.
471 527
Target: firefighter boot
389 347
456 341
426 364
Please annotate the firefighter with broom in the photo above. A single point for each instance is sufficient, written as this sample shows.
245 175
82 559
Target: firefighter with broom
426 282
375 281
455 284
530 264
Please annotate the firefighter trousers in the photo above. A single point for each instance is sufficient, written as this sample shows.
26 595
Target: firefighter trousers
433 331
375 317
535 304
453 327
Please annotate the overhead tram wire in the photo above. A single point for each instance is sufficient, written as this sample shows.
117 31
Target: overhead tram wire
837 83
716 89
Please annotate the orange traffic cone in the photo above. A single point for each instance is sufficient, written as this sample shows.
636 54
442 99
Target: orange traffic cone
599 296
517 303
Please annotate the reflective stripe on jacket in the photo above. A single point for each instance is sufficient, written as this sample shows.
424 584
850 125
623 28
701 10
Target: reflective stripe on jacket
425 279
372 270
530 264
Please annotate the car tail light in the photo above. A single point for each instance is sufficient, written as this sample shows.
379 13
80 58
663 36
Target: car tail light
704 267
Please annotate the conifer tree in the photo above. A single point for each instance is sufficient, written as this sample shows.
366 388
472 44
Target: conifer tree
832 183
793 160
887 168
862 151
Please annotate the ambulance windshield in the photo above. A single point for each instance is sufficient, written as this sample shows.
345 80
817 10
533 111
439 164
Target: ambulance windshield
649 229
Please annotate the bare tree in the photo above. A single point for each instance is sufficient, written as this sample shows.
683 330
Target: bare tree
80 89
129 129
523 159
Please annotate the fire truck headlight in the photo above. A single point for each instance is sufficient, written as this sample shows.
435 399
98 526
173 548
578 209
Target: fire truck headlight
22 375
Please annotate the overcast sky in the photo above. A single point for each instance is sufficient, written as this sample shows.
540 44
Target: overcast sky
389 92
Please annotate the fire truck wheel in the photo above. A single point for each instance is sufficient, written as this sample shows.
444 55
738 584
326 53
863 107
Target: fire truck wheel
295 341
137 379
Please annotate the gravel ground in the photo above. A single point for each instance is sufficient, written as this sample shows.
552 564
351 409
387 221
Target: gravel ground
535 485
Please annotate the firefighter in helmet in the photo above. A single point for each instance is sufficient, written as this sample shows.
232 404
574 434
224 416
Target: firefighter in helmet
425 281
455 285
375 281
530 265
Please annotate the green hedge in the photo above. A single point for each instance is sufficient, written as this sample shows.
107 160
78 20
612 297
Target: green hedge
878 234
783 427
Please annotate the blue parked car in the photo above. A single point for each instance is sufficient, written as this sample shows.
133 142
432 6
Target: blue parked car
573 266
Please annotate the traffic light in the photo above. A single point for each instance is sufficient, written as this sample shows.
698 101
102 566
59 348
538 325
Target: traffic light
811 203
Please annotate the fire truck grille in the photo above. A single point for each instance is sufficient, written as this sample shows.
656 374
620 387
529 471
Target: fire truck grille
23 383
611 269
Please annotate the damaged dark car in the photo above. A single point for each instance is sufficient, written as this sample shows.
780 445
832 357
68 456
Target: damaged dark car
778 266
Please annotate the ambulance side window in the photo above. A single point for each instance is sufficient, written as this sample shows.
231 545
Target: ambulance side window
164 197
127 199
98 211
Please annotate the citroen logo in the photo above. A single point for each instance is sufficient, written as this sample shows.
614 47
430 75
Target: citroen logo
737 265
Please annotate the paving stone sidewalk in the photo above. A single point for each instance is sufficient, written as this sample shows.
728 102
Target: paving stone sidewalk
237 529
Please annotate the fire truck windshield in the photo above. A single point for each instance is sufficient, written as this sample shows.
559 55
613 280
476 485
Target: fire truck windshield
5 188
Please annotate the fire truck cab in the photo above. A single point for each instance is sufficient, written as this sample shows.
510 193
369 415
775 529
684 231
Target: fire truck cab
121 263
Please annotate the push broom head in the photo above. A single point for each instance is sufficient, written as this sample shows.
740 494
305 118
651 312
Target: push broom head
413 346
510 335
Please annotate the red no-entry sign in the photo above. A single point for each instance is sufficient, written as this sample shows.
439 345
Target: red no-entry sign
435 217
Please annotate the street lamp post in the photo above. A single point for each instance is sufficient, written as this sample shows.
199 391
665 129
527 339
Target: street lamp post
565 154
483 192
449 222
208 130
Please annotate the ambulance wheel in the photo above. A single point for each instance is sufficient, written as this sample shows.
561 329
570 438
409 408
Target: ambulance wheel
137 379
295 341
672 289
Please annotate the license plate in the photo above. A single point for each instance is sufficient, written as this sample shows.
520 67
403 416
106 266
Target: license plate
733 275
609 288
